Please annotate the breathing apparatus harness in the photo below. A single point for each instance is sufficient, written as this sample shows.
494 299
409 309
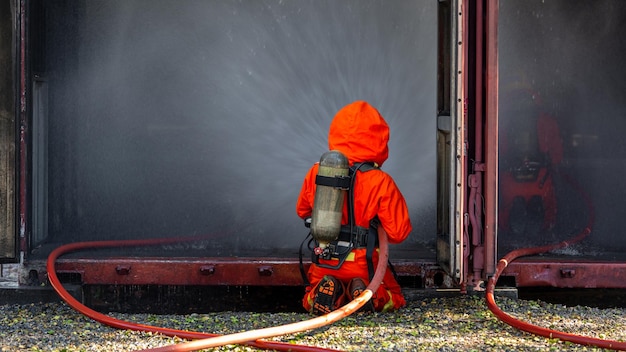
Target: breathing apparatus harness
350 236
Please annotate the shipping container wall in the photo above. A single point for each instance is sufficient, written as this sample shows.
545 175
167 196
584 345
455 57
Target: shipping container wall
200 118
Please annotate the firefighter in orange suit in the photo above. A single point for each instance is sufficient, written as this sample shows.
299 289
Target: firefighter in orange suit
531 148
361 134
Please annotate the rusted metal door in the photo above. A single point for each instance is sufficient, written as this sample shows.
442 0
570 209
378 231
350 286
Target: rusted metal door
450 140
8 237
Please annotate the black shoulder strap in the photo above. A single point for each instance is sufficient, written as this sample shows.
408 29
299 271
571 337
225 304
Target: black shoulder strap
371 245
302 272
364 166
373 230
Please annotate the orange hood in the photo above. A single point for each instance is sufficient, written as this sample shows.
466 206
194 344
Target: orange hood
360 133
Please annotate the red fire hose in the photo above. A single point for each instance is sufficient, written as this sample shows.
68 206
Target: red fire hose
120 324
252 338
534 329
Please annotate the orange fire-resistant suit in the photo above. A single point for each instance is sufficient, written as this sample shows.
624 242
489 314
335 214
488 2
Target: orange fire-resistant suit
361 134
530 134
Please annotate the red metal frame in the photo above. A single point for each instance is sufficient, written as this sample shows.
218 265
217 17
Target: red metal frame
23 121
491 138
527 272
220 271
566 273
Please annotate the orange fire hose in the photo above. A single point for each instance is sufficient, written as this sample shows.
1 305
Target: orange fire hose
252 338
314 323
534 329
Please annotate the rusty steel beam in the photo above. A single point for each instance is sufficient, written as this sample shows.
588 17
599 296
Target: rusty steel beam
183 271
218 271
491 138
566 274
527 272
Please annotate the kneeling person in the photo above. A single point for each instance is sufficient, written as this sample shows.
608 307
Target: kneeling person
340 274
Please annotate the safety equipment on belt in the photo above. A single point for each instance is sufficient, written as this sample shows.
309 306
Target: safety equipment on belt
350 236
524 156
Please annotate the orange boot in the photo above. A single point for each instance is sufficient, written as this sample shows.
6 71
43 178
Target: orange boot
329 295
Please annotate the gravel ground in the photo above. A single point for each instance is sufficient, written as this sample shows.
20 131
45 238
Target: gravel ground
461 323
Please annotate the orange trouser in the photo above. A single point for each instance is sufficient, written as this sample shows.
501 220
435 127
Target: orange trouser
388 297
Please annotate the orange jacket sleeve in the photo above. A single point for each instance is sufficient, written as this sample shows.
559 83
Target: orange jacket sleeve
304 205
376 194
